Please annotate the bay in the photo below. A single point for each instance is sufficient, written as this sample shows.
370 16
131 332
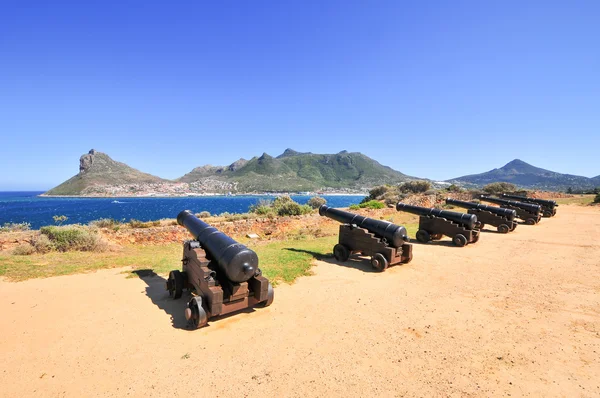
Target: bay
17 207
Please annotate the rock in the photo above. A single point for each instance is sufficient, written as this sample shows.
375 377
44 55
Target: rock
252 236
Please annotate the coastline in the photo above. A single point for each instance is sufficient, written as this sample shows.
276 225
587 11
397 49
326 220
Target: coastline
200 195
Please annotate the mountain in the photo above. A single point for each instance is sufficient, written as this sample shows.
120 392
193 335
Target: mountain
296 171
98 170
292 171
525 175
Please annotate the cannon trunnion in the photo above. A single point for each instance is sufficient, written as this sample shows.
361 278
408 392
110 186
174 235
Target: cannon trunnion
435 223
386 243
502 219
529 212
548 206
223 274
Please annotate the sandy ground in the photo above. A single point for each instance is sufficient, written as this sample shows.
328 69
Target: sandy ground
515 314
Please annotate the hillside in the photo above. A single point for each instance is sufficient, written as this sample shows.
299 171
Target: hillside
525 175
98 170
295 171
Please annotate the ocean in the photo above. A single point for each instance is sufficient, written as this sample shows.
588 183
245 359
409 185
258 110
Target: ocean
17 207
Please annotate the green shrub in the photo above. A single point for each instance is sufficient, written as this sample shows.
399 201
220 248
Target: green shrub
377 192
316 201
59 220
372 204
42 244
597 198
203 214
262 207
497 188
417 186
24 250
140 224
14 227
105 223
72 237
354 207
292 209
454 188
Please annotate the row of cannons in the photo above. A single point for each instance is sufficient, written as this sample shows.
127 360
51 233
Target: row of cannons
224 274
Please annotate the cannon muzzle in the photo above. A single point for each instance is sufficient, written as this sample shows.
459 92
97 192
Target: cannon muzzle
396 235
237 261
530 207
468 220
544 202
509 214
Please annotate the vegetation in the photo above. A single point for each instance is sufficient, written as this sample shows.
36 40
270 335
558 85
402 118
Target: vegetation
203 214
497 188
316 201
372 204
281 206
73 238
417 186
105 223
15 227
597 198
59 220
454 188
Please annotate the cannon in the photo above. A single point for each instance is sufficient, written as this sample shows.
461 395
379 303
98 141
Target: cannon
502 219
528 212
386 243
548 206
435 223
222 273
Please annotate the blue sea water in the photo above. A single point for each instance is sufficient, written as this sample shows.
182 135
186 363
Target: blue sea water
16 207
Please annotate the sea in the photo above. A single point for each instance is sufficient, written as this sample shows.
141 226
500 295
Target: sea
28 207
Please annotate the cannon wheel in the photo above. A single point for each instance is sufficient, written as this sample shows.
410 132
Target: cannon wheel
476 237
341 252
379 262
270 297
459 240
503 228
514 226
195 313
423 236
436 236
481 225
548 213
175 284
530 221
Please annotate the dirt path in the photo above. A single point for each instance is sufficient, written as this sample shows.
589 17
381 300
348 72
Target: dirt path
516 314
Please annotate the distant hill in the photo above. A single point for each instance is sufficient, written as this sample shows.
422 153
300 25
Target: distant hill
97 170
292 171
296 171
525 175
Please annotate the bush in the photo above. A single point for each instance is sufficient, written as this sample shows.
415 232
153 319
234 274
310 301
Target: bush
597 198
73 237
262 207
43 244
203 214
14 227
105 223
372 204
24 250
417 186
316 201
454 188
140 224
293 209
497 188
377 193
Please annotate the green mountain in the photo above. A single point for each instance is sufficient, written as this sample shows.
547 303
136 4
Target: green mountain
295 171
525 175
97 171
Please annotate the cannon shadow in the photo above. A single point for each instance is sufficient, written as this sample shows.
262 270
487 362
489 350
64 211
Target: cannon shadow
447 243
155 290
355 261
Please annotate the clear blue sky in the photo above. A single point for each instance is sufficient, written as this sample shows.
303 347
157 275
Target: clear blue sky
434 89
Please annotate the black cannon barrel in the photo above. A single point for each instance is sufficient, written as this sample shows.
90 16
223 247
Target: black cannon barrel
395 234
468 220
530 207
544 202
508 213
237 261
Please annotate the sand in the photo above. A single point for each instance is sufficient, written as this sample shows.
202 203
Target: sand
515 314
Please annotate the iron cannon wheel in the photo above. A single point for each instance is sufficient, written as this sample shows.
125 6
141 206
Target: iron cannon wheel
341 252
530 221
459 240
195 313
548 213
379 262
175 284
423 236
503 228
514 226
476 237
481 225
270 297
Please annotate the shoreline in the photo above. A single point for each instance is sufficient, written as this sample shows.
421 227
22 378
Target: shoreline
220 195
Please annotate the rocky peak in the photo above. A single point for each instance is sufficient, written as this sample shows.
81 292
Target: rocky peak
86 161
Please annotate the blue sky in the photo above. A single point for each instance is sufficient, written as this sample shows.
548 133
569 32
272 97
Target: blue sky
433 89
